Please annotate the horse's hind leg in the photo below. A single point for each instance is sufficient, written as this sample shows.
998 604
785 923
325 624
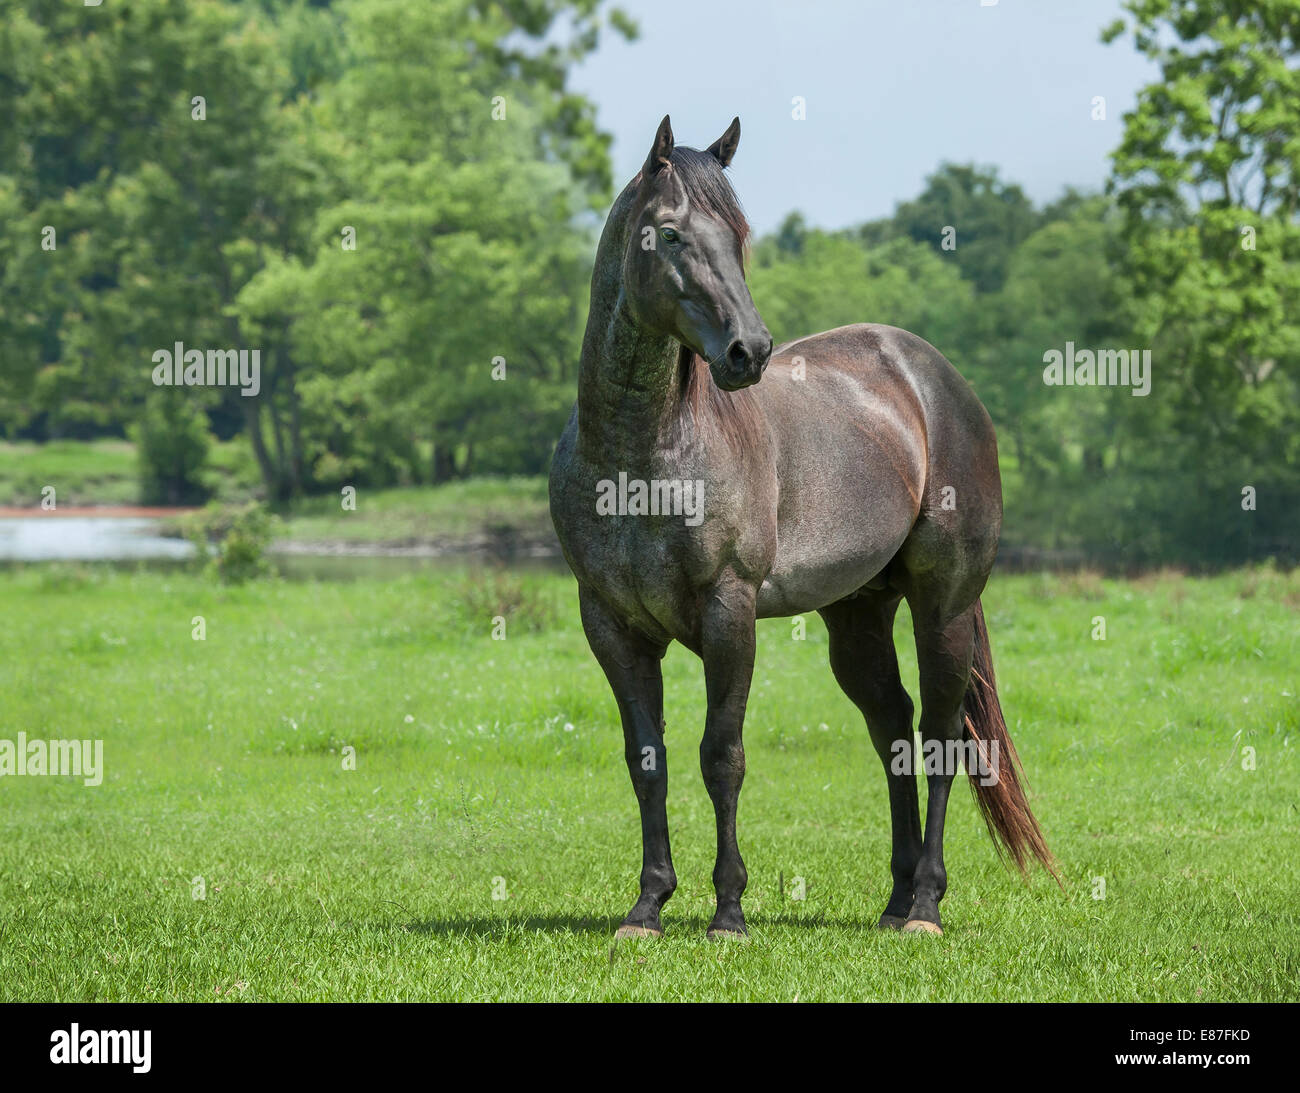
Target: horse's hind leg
866 668
944 647
632 665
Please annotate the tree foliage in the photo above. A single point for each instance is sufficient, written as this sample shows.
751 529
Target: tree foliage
1207 177
396 204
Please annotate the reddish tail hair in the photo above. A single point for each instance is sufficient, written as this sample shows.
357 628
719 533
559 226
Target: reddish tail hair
1003 803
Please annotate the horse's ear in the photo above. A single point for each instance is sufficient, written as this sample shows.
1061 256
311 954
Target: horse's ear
724 148
660 151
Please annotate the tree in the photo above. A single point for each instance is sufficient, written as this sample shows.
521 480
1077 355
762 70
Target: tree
152 139
438 303
831 279
1208 177
1060 445
988 219
200 165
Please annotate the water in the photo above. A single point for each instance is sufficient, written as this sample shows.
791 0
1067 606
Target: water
138 540
88 539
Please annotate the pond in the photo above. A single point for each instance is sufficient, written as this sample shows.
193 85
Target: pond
88 539
139 540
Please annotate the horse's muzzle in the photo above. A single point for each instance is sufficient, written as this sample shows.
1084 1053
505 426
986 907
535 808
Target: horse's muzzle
744 362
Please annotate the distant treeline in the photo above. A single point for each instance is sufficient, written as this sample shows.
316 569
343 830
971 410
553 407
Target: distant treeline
391 205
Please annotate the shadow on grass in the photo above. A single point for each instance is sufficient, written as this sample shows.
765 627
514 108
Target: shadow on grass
498 925
488 926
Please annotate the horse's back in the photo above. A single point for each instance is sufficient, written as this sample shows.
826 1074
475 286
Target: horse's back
890 358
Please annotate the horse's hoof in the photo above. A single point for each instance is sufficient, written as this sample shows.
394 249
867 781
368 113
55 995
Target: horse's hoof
920 926
726 935
625 931
890 922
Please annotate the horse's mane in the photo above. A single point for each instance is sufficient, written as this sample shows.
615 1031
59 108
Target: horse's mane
704 404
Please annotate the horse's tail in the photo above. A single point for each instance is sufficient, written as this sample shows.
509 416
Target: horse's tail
1002 800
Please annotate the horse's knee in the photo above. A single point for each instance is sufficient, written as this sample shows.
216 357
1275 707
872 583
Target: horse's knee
722 763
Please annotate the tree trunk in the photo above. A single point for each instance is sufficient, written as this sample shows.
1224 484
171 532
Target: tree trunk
283 489
295 419
253 422
444 463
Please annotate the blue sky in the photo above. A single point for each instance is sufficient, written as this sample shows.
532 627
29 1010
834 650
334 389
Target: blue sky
893 87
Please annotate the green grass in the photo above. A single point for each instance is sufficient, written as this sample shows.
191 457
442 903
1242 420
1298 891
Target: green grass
455 511
106 472
100 472
481 759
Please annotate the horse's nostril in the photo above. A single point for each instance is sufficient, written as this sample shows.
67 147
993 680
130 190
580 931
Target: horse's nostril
738 355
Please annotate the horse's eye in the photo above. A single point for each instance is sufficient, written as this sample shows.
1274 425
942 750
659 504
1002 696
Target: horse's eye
669 235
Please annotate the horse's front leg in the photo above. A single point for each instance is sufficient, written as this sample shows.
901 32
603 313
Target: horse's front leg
632 666
727 648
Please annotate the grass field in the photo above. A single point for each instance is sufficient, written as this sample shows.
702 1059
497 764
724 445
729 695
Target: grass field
456 512
101 472
489 766
106 472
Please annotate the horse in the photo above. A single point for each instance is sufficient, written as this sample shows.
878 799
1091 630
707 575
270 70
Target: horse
861 471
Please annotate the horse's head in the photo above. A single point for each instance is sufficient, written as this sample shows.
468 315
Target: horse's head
683 272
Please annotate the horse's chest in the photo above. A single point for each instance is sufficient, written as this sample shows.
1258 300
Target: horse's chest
639 564
640 573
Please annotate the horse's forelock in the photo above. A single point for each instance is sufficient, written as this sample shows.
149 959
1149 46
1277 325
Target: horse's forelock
708 189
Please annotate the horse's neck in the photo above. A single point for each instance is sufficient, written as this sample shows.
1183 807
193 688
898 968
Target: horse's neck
629 381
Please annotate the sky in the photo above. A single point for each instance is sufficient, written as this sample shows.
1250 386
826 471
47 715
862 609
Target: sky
892 88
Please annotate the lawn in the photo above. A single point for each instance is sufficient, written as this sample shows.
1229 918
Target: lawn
488 768
106 472
100 472
477 510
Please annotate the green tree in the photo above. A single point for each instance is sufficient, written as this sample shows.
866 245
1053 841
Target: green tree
1060 445
199 162
825 280
153 139
172 441
1208 177
458 244
988 219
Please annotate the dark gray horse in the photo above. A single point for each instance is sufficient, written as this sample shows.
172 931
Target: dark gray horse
690 500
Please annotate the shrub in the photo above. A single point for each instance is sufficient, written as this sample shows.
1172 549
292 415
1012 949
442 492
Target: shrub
240 533
524 604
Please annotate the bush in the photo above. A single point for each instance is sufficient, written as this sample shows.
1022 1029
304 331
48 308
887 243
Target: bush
497 593
241 534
